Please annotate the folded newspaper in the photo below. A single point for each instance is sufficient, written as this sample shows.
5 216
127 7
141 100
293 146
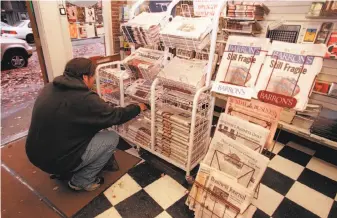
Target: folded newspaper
237 160
242 131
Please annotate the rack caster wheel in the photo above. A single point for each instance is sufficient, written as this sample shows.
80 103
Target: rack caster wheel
189 179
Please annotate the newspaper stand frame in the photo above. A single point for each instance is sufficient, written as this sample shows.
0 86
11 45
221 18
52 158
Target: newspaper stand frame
252 170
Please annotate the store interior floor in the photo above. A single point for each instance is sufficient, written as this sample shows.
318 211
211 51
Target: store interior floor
301 181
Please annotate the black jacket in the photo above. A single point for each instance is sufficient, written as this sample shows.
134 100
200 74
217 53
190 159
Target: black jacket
65 118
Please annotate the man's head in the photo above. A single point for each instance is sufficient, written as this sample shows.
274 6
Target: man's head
81 68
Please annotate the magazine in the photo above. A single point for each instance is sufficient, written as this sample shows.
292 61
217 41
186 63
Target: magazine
241 63
290 70
332 46
244 132
257 112
235 159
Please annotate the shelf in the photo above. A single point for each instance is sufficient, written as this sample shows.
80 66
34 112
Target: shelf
305 133
319 93
243 18
239 31
321 17
156 153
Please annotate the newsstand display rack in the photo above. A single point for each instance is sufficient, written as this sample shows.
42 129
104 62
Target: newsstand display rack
200 102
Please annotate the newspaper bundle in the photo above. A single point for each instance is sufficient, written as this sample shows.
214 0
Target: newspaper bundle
173 134
188 33
237 160
290 69
145 63
189 73
140 90
144 28
139 131
244 132
109 79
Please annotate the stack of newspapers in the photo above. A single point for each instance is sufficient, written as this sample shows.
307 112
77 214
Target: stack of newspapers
173 134
144 28
140 90
139 131
187 73
231 171
188 33
145 63
109 79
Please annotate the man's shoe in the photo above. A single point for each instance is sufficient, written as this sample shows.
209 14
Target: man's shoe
92 187
111 165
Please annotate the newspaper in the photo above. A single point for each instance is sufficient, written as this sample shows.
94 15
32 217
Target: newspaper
260 113
290 70
145 63
217 192
177 115
225 199
237 160
242 61
144 28
244 132
140 90
188 72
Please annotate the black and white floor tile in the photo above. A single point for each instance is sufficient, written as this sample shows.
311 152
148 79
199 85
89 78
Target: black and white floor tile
301 181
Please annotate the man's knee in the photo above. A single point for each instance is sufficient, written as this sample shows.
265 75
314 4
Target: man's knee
109 139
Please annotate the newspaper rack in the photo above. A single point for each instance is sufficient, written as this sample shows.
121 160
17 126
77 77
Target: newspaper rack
216 196
198 101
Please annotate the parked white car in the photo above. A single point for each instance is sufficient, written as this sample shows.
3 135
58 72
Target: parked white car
14 53
20 30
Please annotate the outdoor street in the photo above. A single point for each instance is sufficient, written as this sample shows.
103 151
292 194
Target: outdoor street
20 87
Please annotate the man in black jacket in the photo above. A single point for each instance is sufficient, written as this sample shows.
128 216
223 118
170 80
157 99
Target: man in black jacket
64 135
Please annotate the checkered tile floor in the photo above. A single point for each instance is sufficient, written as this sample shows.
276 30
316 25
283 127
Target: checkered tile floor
299 182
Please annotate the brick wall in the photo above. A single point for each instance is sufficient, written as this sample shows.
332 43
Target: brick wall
115 10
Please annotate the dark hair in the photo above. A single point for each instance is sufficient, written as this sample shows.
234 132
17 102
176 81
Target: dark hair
77 67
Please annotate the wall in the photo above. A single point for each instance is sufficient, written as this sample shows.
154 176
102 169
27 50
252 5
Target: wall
54 35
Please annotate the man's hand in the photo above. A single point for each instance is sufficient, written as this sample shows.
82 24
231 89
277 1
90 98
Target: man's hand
142 106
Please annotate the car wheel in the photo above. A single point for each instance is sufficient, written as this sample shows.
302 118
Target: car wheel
30 38
16 59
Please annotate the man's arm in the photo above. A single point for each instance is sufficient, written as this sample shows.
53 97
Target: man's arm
104 115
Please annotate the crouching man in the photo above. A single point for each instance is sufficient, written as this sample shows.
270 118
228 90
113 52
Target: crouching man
65 133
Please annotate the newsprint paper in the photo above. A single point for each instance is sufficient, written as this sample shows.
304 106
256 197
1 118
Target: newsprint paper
228 198
249 134
229 156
